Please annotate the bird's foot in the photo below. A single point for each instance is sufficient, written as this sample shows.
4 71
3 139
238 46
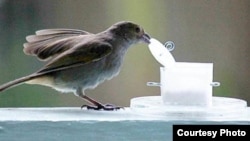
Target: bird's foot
106 107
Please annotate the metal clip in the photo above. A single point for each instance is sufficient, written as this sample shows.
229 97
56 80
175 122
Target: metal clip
170 45
215 84
154 84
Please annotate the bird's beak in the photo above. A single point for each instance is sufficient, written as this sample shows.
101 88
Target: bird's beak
145 38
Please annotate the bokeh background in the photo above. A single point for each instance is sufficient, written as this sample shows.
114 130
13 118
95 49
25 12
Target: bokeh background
214 31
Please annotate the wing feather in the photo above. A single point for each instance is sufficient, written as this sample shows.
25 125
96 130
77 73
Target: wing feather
81 55
48 43
60 31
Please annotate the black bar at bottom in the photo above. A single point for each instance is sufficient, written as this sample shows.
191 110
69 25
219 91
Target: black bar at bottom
211 132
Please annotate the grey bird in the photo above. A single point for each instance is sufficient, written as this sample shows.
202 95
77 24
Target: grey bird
78 60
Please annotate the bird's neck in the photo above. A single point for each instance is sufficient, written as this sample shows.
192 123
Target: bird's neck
115 40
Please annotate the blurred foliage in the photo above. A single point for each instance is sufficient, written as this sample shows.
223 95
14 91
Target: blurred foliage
203 31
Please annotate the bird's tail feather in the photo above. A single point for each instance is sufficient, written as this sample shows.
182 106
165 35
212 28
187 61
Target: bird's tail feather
16 82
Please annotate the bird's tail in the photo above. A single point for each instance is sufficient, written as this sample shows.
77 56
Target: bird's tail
16 82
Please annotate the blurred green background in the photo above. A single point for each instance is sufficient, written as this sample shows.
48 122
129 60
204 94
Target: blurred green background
203 30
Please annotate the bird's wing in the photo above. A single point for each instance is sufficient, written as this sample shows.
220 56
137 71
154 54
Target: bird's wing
48 43
80 55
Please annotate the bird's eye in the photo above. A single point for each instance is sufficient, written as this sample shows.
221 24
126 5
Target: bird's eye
137 29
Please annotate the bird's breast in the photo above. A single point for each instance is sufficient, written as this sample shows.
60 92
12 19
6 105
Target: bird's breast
113 63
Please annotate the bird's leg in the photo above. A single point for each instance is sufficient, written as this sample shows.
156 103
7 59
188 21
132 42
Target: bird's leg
96 105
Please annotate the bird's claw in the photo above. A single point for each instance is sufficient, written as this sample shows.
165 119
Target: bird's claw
106 107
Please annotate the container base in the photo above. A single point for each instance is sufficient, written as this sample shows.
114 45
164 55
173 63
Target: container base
222 108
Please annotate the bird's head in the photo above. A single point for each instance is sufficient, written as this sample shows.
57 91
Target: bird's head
130 32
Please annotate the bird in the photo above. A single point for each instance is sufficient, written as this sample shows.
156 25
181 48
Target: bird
78 60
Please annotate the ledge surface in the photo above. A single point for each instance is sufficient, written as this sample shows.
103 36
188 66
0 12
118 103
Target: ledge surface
77 114
67 114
